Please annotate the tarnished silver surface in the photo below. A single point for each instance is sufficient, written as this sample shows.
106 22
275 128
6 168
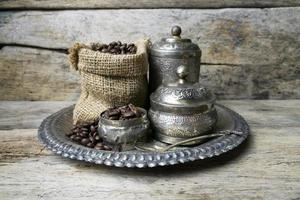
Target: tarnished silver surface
169 53
171 128
124 132
181 110
182 96
53 129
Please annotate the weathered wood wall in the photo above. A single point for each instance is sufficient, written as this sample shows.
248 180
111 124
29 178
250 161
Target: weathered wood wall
68 4
248 53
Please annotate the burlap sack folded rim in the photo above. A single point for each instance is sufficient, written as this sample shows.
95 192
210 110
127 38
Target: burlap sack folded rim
83 58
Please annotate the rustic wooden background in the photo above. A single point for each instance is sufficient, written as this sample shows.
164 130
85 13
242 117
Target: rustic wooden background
251 49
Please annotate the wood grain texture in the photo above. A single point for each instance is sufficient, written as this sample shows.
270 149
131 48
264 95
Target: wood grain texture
265 167
232 36
27 114
33 74
67 4
275 113
247 53
36 74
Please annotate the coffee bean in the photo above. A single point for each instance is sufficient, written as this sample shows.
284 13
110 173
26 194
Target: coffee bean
123 109
134 110
129 114
114 118
77 138
107 148
110 47
72 137
114 48
96 46
123 47
97 138
76 130
90 144
69 133
122 113
113 43
93 129
84 129
94 134
92 139
99 146
83 134
84 141
113 51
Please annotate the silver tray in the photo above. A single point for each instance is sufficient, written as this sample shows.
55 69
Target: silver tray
53 129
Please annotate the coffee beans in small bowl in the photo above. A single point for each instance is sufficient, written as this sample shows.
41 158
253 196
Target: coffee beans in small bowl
123 126
115 48
122 113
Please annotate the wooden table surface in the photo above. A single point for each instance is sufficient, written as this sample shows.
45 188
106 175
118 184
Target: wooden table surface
266 166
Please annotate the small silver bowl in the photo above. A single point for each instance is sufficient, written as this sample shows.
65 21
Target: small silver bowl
124 133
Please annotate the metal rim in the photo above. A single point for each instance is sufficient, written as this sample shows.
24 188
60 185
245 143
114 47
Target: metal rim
55 141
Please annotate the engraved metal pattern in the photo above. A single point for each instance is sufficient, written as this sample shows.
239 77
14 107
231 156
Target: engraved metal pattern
168 54
182 93
184 126
52 134
163 69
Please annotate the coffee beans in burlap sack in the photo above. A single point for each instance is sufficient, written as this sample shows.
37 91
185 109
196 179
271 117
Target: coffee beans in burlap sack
108 80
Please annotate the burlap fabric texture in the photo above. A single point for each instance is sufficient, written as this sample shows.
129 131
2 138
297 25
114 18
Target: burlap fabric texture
108 80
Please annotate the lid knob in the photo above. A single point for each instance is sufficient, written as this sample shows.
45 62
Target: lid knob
182 72
176 31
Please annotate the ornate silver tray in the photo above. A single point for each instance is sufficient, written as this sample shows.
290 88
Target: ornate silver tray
52 134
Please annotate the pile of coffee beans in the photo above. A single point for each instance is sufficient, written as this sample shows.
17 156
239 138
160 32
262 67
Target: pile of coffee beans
122 113
115 48
87 135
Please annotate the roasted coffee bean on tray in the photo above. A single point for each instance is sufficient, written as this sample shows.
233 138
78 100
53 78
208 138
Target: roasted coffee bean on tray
87 135
122 113
115 48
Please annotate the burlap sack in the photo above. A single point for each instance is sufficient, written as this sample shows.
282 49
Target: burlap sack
108 80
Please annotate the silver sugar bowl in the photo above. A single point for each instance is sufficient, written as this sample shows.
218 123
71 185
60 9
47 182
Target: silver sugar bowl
181 110
169 53
124 133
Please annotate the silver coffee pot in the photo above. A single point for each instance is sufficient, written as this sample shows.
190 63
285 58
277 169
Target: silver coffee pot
181 110
169 53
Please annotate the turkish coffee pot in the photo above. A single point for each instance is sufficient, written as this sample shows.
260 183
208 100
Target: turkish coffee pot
169 53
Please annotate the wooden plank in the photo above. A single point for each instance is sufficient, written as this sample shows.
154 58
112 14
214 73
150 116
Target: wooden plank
259 113
23 69
252 82
64 4
27 114
227 36
243 56
265 167
33 74
240 29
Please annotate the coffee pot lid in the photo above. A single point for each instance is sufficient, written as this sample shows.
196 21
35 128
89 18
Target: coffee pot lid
175 45
181 94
